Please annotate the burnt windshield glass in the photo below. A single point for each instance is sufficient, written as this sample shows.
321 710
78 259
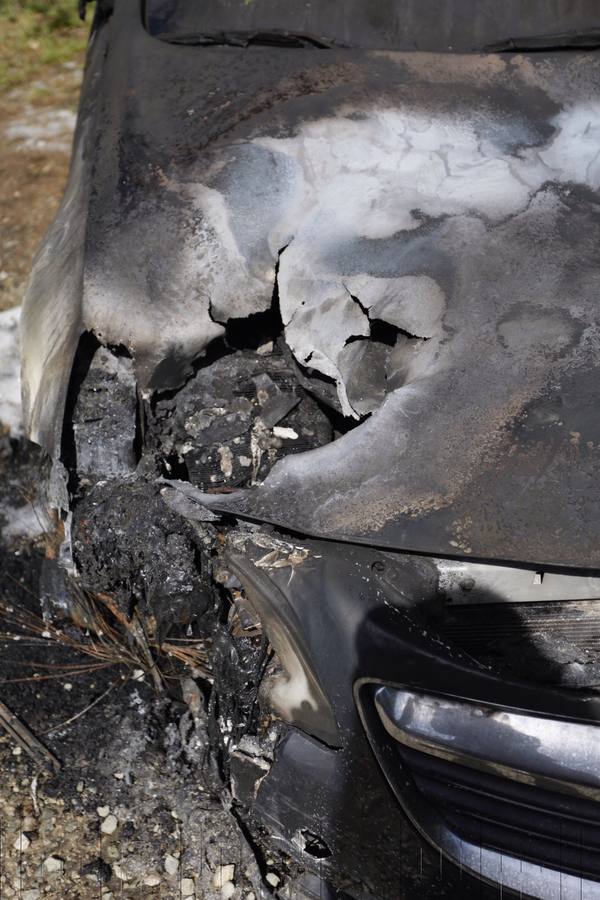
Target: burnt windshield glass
435 25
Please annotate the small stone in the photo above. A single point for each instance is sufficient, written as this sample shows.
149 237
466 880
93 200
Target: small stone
171 864
119 775
68 686
109 824
223 874
272 879
16 751
32 894
21 842
137 675
29 824
228 890
187 887
119 873
53 864
79 787
152 880
287 433
103 811
250 896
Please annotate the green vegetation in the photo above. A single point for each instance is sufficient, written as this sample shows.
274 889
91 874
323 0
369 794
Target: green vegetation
37 33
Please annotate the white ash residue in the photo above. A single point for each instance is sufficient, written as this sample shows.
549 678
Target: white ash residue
10 368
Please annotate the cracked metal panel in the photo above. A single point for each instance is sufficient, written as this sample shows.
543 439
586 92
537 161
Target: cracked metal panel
453 197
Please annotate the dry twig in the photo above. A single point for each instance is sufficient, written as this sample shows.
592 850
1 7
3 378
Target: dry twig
26 739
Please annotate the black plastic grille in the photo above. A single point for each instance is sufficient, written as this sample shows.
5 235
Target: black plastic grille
554 643
546 828
482 628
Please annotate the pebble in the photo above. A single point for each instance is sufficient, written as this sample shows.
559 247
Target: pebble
21 842
16 751
29 824
152 880
289 433
223 874
32 894
53 864
103 811
79 787
187 887
228 890
68 686
119 873
171 864
109 824
272 879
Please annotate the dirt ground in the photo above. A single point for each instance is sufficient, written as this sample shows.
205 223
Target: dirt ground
36 127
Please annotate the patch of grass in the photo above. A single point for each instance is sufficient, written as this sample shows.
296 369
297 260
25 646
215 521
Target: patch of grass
37 33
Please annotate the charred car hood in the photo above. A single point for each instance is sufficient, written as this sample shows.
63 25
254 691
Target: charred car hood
450 198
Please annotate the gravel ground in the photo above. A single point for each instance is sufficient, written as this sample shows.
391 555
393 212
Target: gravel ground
36 129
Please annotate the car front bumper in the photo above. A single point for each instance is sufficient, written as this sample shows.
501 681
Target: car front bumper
442 779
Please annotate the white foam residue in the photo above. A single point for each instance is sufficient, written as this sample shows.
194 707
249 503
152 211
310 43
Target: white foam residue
10 368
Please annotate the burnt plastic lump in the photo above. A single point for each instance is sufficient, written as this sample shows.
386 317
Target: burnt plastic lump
230 423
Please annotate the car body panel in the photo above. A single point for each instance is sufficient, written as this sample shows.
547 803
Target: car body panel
453 197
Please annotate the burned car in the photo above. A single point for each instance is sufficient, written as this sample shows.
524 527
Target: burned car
312 347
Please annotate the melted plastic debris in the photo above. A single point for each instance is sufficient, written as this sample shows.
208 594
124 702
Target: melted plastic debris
104 418
127 542
234 419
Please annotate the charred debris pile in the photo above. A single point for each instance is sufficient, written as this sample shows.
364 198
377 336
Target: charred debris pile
146 563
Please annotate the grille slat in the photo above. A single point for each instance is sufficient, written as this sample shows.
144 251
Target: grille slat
513 816
521 820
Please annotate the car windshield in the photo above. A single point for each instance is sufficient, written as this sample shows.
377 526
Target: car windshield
434 25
